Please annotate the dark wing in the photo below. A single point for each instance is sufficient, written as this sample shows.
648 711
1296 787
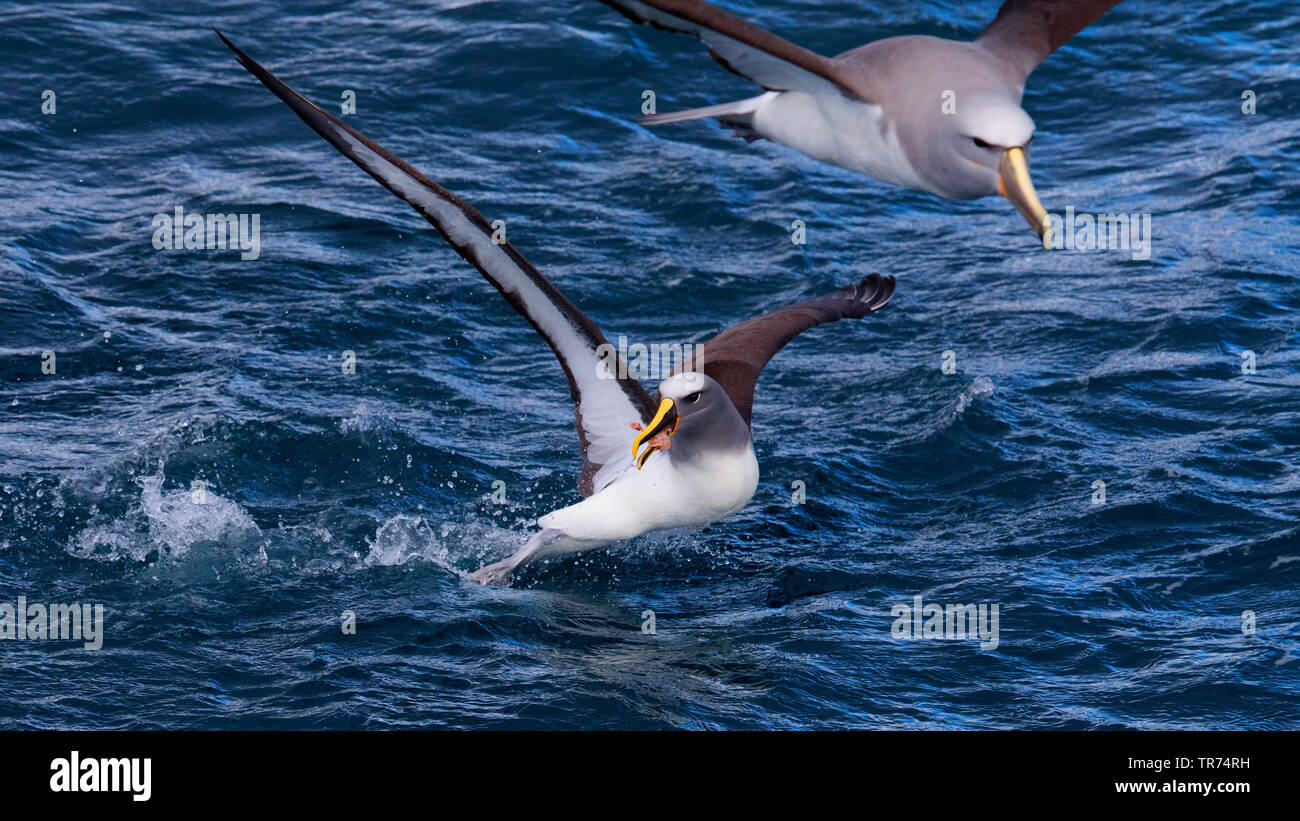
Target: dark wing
744 48
1028 31
735 357
604 404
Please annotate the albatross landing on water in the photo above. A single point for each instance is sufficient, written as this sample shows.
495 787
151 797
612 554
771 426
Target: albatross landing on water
938 115
680 458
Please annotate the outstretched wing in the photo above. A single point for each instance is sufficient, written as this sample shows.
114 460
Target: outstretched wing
1028 31
744 48
735 357
604 404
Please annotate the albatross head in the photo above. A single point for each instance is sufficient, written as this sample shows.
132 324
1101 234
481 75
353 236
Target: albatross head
986 148
694 414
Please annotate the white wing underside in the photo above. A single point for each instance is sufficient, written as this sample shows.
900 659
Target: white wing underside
605 409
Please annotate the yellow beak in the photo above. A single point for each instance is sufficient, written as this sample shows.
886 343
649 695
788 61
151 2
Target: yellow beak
665 419
1013 174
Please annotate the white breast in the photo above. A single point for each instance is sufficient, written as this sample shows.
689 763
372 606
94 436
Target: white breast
839 131
663 495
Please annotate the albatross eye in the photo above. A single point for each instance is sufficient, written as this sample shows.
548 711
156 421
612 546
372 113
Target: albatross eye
980 143
693 398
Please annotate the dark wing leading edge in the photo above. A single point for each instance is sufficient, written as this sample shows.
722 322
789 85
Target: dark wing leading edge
744 48
735 357
1028 31
604 404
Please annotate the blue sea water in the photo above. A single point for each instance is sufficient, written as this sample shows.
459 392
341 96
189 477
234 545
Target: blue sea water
371 492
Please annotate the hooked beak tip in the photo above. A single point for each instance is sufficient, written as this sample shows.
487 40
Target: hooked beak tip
665 419
1015 185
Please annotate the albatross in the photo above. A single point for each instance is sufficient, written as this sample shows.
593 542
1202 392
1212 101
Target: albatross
937 115
680 458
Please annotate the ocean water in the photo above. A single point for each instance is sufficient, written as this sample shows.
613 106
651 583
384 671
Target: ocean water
1173 380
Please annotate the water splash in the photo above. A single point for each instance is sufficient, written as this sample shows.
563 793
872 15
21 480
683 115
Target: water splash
458 547
980 388
167 523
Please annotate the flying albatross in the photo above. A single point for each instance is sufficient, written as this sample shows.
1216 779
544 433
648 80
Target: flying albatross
680 458
938 115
